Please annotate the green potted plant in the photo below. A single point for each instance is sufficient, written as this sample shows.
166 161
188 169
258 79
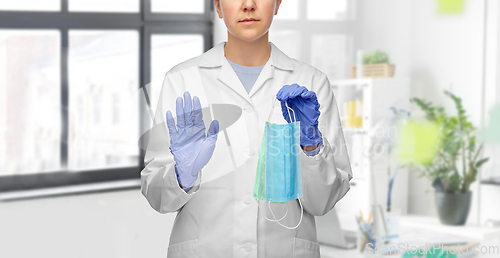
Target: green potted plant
377 57
454 167
376 65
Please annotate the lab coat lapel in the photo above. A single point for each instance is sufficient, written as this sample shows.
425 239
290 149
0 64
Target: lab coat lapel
277 60
267 73
215 58
228 76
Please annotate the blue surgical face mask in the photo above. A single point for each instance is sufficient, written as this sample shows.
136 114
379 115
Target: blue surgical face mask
283 180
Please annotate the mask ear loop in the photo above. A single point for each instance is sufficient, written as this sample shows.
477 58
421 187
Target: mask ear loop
278 221
290 110
272 108
275 220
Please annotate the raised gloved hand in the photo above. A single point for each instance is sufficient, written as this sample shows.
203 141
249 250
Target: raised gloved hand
191 148
306 108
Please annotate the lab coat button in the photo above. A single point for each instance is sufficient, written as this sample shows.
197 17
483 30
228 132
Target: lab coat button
251 152
249 109
248 199
248 247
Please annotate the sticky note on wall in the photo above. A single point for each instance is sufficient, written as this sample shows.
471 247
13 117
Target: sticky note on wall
451 6
418 141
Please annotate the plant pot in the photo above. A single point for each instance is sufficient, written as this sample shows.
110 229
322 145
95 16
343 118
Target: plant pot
375 71
453 209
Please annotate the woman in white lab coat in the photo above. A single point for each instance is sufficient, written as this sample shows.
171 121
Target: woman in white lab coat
220 217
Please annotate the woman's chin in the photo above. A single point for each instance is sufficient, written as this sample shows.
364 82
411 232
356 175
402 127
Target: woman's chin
249 37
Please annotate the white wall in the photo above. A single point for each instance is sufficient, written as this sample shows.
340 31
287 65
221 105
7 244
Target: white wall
435 50
447 54
386 25
438 52
118 224
489 208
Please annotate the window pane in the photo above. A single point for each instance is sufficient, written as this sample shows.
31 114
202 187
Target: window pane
287 41
328 9
103 104
177 6
330 54
30 110
289 10
30 5
104 6
168 51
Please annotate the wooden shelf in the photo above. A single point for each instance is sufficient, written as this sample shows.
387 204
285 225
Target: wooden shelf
364 81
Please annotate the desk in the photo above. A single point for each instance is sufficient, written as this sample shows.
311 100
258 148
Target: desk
332 252
416 230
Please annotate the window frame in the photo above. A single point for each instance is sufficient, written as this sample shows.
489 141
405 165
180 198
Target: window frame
349 27
146 24
160 16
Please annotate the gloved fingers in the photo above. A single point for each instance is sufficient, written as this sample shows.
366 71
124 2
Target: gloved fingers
179 110
308 95
282 93
297 91
290 92
213 129
188 109
307 100
172 130
197 112
287 92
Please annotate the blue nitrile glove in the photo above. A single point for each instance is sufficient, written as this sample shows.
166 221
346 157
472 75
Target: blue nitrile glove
191 149
306 108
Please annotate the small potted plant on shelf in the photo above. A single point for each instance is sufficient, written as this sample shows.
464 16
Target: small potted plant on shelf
455 164
376 65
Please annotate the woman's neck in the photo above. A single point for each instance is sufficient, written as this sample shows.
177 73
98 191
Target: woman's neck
255 53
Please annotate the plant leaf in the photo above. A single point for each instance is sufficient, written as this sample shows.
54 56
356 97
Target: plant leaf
480 162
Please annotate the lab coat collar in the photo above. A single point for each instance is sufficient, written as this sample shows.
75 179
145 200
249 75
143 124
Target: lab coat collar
215 57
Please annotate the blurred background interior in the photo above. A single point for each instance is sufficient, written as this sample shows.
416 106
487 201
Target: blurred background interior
72 108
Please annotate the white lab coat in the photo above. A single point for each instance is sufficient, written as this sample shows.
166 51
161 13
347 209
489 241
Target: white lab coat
220 218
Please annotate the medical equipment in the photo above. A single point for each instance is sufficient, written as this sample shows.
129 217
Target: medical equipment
398 116
278 177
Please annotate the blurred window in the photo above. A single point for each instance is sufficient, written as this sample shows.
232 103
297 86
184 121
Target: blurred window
176 6
30 5
289 10
30 106
104 6
288 41
328 9
317 32
330 53
166 52
71 90
116 108
103 67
